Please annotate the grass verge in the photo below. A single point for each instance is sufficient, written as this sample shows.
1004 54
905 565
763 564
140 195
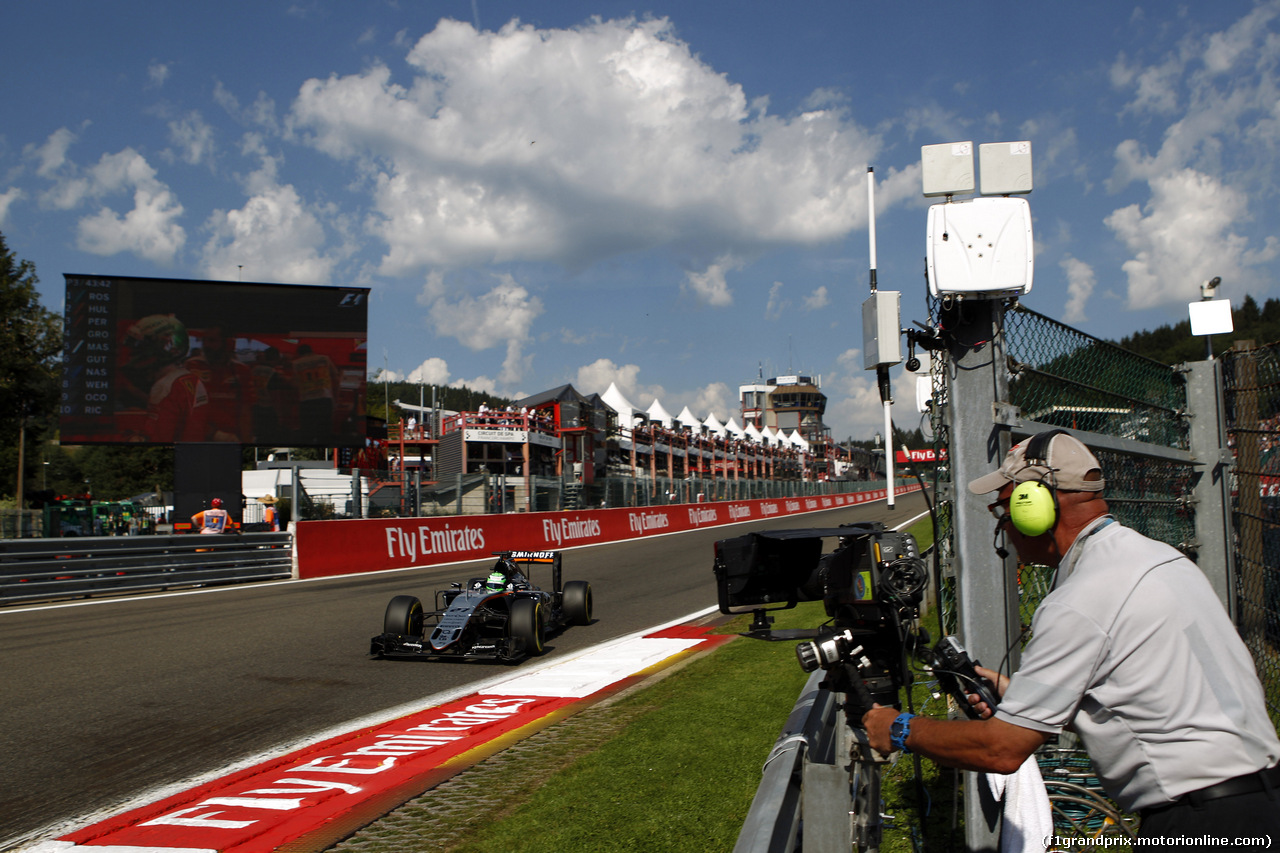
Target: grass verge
673 766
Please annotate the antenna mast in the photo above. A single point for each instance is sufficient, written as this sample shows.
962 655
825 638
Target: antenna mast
882 367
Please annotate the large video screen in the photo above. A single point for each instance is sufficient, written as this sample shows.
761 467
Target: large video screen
163 361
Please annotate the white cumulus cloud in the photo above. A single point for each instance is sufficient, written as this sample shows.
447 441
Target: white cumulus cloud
275 236
193 138
150 229
570 145
1080 283
1214 165
7 199
433 371
710 286
502 316
1181 237
777 303
817 300
595 378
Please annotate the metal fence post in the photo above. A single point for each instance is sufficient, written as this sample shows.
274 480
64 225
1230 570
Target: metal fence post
986 589
1212 489
295 495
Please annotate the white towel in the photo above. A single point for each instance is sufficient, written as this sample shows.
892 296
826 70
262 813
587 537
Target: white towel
1027 818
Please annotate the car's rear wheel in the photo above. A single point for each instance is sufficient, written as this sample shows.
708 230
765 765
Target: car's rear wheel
404 616
577 602
526 624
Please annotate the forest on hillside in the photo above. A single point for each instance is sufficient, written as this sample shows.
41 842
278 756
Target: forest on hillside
1175 344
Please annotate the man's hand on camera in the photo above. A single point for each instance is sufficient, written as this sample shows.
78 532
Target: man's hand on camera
877 722
1000 681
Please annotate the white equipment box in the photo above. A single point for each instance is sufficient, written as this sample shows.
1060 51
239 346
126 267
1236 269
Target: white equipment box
982 246
881 335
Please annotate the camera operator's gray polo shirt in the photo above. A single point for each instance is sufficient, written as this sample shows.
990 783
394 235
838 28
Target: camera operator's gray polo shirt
1134 652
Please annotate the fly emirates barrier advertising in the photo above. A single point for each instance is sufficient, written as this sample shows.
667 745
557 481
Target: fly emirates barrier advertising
331 548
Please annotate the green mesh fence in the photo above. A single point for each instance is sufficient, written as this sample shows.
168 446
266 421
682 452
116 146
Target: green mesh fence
1252 401
1062 377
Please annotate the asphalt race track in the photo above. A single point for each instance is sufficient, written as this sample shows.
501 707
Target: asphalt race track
106 700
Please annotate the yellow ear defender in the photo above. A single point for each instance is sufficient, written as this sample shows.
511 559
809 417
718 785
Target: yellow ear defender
1033 506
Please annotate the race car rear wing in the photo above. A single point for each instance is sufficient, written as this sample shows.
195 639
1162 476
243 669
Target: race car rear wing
529 558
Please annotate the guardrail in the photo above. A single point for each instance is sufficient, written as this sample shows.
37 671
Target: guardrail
83 567
808 740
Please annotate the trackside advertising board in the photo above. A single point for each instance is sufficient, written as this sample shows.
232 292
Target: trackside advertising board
331 548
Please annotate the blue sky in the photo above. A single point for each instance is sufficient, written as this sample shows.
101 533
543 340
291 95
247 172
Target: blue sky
669 196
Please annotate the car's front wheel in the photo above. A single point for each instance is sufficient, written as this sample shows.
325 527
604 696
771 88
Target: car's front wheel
404 616
526 624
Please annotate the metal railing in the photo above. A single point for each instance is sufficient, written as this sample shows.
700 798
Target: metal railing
773 822
85 567
372 493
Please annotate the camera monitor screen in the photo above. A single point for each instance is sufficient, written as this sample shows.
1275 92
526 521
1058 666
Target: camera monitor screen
166 361
755 570
778 568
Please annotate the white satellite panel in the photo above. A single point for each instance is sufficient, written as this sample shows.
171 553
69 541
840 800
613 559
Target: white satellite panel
980 246
1004 168
924 392
947 169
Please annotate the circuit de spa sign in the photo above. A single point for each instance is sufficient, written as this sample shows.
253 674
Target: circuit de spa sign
331 548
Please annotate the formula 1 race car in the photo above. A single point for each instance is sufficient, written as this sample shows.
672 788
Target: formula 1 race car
502 616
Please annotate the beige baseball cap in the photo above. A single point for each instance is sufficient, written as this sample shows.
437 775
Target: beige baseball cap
1067 465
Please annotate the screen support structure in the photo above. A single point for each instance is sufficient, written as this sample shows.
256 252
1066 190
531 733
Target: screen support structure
203 471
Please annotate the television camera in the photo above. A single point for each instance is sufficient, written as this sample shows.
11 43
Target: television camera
871 585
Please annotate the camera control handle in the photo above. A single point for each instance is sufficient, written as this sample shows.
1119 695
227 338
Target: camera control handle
957 674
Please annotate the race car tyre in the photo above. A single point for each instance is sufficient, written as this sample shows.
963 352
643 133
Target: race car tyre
526 624
404 616
577 602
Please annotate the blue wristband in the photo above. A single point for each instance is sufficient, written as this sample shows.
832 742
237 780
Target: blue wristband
899 731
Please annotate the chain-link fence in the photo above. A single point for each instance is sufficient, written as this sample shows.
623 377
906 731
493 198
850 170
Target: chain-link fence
1064 378
1252 402
1061 377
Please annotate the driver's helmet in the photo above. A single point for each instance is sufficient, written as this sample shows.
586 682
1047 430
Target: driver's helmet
157 340
496 582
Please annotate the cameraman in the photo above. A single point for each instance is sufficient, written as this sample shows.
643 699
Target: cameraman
1131 651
